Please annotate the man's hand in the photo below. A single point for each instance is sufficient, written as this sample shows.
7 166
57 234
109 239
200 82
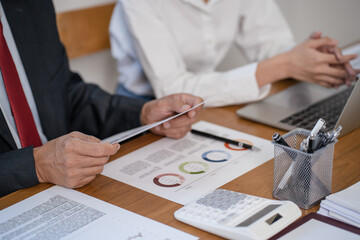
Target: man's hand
72 160
165 107
308 62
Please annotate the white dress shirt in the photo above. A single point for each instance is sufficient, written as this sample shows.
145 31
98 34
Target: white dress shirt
181 42
4 101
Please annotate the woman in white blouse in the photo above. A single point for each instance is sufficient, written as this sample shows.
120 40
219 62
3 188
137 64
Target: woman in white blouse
169 46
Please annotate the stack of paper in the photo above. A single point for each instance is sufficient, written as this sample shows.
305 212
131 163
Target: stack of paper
343 206
61 213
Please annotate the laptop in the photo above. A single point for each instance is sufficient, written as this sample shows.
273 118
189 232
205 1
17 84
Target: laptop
301 105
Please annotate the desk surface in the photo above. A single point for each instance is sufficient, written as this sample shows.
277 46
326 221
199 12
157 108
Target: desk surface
258 182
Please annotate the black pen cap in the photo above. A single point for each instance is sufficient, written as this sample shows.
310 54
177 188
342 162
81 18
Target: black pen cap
278 139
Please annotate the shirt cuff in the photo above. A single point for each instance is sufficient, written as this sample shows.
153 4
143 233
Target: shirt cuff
242 87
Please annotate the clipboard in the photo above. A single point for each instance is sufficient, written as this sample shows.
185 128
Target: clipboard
327 220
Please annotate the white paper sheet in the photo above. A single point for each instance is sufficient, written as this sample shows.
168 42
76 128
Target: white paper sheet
120 137
184 170
348 198
68 214
343 205
314 229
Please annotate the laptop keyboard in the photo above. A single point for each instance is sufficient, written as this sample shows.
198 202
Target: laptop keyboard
329 109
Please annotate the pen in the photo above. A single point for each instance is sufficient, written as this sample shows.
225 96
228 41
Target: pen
335 134
278 139
320 125
311 142
237 143
285 179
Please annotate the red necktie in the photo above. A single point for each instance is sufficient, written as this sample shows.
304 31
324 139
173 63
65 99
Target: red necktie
24 120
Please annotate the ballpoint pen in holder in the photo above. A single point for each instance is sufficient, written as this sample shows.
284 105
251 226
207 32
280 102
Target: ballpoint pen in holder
302 175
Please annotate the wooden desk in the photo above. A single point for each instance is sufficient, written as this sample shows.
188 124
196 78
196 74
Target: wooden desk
346 171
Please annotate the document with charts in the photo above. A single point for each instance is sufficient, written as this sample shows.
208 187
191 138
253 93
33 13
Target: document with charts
185 169
61 213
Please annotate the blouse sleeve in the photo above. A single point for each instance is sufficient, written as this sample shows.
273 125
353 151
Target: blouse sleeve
165 67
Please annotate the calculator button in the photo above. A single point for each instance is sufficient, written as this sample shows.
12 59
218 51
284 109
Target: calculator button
223 207
221 221
220 206
232 208
231 215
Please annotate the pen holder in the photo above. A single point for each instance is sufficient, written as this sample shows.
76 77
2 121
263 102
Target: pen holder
304 178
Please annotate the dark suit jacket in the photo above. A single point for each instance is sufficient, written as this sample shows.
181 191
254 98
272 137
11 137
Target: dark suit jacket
64 102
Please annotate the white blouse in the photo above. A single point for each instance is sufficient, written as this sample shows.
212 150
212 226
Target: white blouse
179 44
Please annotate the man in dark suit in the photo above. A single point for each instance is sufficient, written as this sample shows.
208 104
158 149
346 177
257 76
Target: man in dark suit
65 112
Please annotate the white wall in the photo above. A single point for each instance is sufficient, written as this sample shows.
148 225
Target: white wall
98 68
339 19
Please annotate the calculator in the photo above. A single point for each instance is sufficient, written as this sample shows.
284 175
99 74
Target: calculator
235 215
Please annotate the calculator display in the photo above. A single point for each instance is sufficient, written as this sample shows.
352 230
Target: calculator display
250 220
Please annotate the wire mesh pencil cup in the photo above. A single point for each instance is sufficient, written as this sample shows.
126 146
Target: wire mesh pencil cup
304 178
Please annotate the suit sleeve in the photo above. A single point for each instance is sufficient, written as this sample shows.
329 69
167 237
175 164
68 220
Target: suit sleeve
91 111
97 113
17 170
64 101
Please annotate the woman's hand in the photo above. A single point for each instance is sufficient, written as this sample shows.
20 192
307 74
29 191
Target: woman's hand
319 60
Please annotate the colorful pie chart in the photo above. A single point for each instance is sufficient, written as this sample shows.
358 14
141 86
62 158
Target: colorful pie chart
169 180
216 156
193 167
